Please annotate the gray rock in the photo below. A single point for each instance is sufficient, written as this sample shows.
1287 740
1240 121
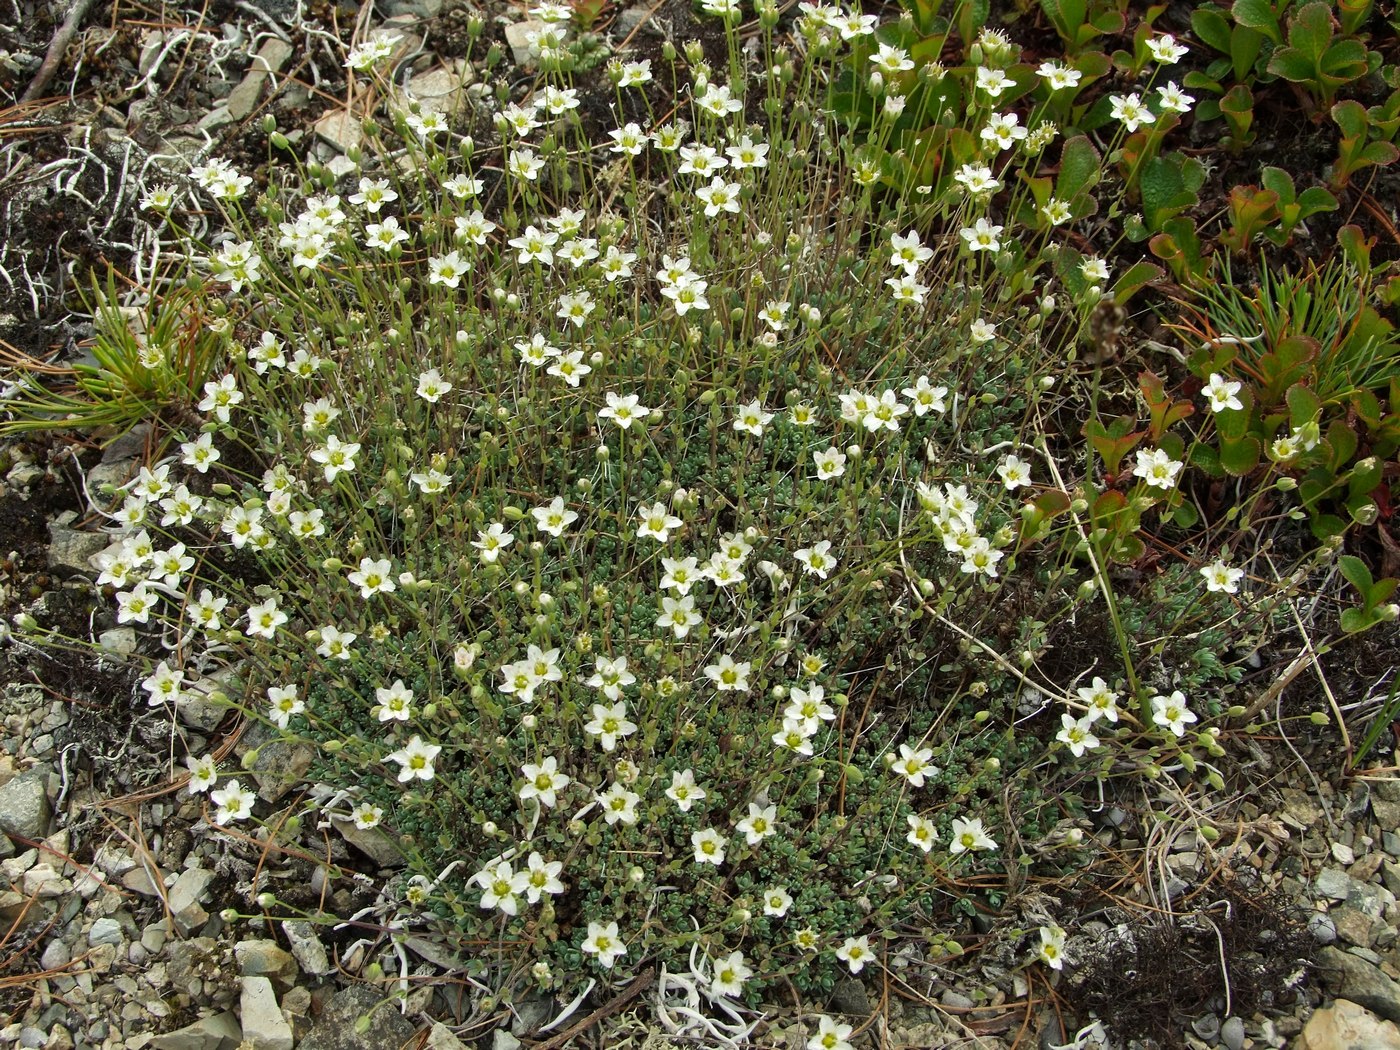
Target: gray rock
1323 929
503 1040
24 805
56 955
1207 1027
185 897
279 764
335 1030
340 130
307 948
1353 926
105 930
441 90
216 118
440 1037
119 642
1333 884
1344 1025
955 1000
375 843
264 1027
205 701
70 551
630 19
264 958
848 997
531 1013
243 99
1232 1033
219 1032
1360 981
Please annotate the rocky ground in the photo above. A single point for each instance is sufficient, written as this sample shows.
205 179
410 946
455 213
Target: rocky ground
127 922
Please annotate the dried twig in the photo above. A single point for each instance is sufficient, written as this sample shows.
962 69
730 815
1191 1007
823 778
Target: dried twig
58 46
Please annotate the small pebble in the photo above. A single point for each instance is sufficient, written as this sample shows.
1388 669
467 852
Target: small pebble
1323 929
1232 1033
1343 854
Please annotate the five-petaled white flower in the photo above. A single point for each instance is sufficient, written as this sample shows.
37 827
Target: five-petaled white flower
922 833
609 724
1051 949
729 975
684 792
831 1035
1222 577
1077 734
1171 712
817 559
1157 468
657 523
234 802
554 517
914 764
543 781
855 952
415 759
605 942
709 846
1221 393
623 409
968 835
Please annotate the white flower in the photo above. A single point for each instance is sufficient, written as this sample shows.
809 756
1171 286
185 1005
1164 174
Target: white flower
164 686
395 703
1130 110
1222 577
336 457
1157 468
1171 712
367 815
335 643
604 942
678 614
492 540
684 792
905 289
657 523
383 236
1077 734
729 676
623 410
203 773
448 269
431 386
831 1035
925 397
709 846
1004 130
415 759
759 824
541 877
1094 270
776 901
609 724
752 419
576 307
922 833
817 558
373 577
285 703
855 952
1015 472
716 101
914 764
554 517
746 153
994 82
233 801
263 618
1174 100
906 252
619 804
1220 392
830 464
543 781
1166 50
501 887
729 975
969 835
982 236
1051 949
1058 77
977 179
1101 700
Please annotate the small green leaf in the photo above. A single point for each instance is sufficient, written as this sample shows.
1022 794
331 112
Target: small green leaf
1240 456
1356 573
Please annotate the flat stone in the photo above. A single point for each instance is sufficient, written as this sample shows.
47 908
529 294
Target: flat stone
1232 1033
307 948
24 805
336 1028
440 1037
71 551
264 958
849 997
218 1032
1358 980
119 642
340 129
185 897
1332 884
105 930
1345 1025
441 90
501 1039
375 843
269 60
1343 854
264 1027
1353 926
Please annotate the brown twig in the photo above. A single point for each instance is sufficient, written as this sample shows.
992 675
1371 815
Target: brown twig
58 46
641 983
